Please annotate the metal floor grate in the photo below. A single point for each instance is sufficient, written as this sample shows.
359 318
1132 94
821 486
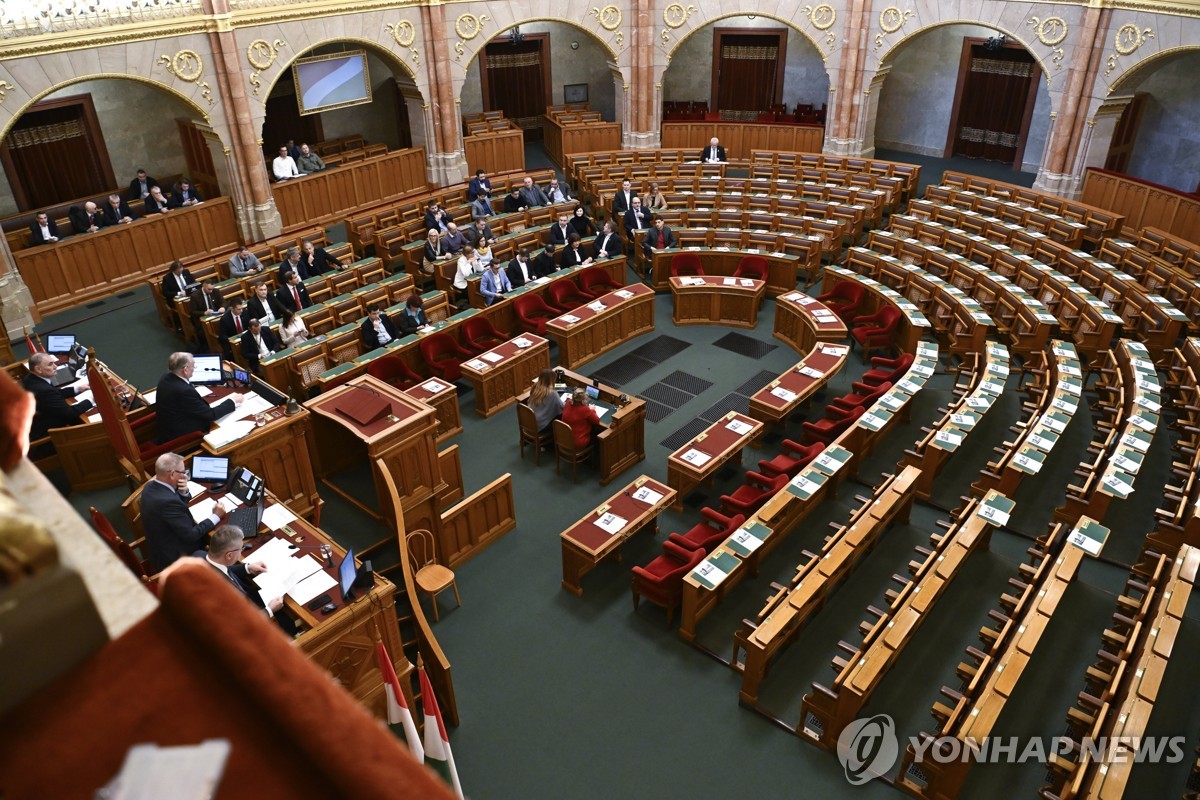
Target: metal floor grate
667 395
661 348
685 434
730 402
656 411
744 345
623 370
687 382
757 382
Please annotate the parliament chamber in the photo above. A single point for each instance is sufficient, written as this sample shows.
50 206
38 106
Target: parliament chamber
596 391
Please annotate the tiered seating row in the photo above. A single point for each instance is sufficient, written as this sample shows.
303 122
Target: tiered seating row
1183 254
1179 513
1028 217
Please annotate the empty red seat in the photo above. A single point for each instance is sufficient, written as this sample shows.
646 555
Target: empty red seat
887 370
863 395
533 312
479 334
828 429
391 369
750 496
444 355
877 330
661 581
795 457
752 267
845 299
595 281
685 264
565 296
708 533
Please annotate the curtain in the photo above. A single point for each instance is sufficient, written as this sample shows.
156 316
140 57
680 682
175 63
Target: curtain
746 75
993 104
54 159
514 82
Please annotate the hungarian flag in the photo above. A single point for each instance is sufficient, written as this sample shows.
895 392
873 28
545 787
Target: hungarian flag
33 348
397 708
437 744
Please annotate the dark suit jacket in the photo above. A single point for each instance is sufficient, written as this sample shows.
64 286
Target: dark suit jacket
562 187
613 246
321 262
706 153
245 584
250 347
226 326
300 268
170 287
559 235
631 223
180 410
135 188
474 235
431 222
544 265
112 217
651 240
370 337
514 273
408 324
177 198
170 531
52 409
573 258
511 204
81 220
35 231
534 196
152 206
284 296
478 187
255 308
215 300
620 204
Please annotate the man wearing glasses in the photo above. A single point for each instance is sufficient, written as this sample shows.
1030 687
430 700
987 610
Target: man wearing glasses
171 533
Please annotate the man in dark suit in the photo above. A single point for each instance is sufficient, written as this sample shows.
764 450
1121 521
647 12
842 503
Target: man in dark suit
117 212
436 219
171 533
43 230
561 231
232 322
258 342
225 556
520 271
607 244
658 238
139 187
623 200
293 295
637 218
207 299
545 265
480 234
52 409
513 202
413 318
156 202
533 195
87 219
479 185
714 152
180 408
558 192
292 263
377 329
176 281
263 304
184 195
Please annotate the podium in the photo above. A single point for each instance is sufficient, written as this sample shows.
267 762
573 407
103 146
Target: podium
369 419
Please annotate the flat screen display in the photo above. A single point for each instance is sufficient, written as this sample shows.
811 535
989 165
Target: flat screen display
347 572
208 371
59 343
332 81
210 469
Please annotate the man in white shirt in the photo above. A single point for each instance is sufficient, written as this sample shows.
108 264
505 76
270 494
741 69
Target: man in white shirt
43 230
557 192
377 328
623 200
284 166
607 244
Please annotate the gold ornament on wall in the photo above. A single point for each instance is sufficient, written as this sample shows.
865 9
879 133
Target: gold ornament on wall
404 32
676 14
609 17
892 19
467 27
823 18
1126 41
1050 31
186 65
4 87
262 54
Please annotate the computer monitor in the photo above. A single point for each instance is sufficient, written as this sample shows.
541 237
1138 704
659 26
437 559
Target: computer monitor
208 371
592 392
210 470
347 573
241 376
57 343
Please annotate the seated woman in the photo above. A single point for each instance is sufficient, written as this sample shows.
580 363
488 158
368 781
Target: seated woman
435 253
655 199
292 330
573 255
544 400
583 419
413 318
582 224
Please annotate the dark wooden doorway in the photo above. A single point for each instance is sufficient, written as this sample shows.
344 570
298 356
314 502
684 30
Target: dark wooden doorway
516 79
1125 134
55 153
993 102
747 76
284 121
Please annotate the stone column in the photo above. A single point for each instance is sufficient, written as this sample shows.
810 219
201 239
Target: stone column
641 129
447 161
1096 140
16 303
622 112
419 122
257 216
839 127
869 113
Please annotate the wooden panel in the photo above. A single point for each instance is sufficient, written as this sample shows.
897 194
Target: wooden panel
502 151
1143 203
474 523
82 268
346 190
740 138
450 466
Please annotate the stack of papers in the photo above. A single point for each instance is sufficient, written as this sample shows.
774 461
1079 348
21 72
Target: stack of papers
696 458
229 432
475 363
647 495
783 394
522 342
433 386
739 427
492 357
610 523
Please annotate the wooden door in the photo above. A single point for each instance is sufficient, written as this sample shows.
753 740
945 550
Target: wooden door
516 80
747 77
993 103
1125 135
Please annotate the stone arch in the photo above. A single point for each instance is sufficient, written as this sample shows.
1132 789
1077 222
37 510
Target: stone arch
464 57
889 49
1130 78
377 48
790 23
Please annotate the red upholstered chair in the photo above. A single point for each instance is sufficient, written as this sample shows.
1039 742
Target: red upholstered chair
595 281
828 429
750 496
533 312
443 355
661 581
685 264
863 395
877 330
752 267
795 457
391 369
887 370
710 532
124 550
845 299
565 296
479 334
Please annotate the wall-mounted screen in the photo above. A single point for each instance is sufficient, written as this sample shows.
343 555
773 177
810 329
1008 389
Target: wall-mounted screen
331 81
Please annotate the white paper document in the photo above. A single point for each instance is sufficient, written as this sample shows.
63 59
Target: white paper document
610 523
739 427
492 357
202 509
810 372
570 319
312 586
229 432
696 458
432 386
747 540
783 394
647 495
276 516
522 342
475 363
203 391
624 294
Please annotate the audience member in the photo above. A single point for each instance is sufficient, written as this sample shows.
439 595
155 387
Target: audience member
435 252
176 282
156 203
51 401
583 419
636 218
292 330
655 200
494 283
574 255
184 194
243 263
544 400
139 187
284 166
582 224
171 533
520 271
513 202
224 554
293 295
207 299
533 195
561 230
468 267
481 208
437 219
413 318
232 322
291 262
453 241
308 161
480 233
607 244
558 192
263 305
315 261
480 185
258 342
87 219
179 408
714 153
659 237
117 211
43 230
623 200
377 328
545 265
292 150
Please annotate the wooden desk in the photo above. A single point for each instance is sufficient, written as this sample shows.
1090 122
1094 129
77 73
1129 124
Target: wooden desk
503 372
802 321
782 269
585 333
778 399
443 397
704 300
341 191
585 544
718 445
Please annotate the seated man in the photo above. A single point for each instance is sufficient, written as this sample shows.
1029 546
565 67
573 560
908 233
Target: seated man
51 401
224 554
140 186
176 282
558 192
479 185
607 244
87 219
258 342
180 408
520 270
207 299
437 219
184 194
714 153
513 202
156 203
263 305
480 234
43 230
243 263
284 166
481 207
316 261
117 212
659 237
377 329
232 322
636 218
533 195
561 231
293 295
292 263
309 162
494 283
545 265
171 533
453 241
413 318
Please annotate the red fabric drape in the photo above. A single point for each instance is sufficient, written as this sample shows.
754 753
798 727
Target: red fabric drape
747 72
993 104
514 82
54 158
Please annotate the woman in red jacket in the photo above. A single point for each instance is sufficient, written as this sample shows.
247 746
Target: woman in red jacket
579 414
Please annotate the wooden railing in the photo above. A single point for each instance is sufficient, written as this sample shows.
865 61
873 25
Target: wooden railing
339 192
1143 203
740 138
474 523
495 151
